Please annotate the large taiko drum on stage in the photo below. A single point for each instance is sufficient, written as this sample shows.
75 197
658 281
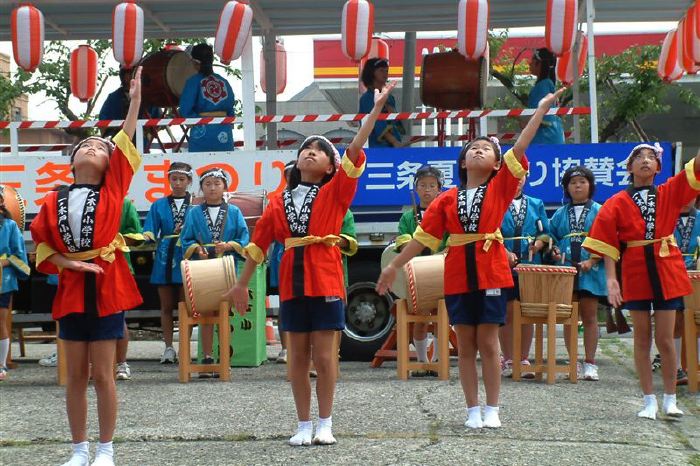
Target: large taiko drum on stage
449 81
399 285
544 284
692 301
425 283
14 203
251 204
205 281
163 77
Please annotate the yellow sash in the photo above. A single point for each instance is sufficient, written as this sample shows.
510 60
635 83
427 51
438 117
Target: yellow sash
236 247
328 240
664 251
460 239
106 253
580 233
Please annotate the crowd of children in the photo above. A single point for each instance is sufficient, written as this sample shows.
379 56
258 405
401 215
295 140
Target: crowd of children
485 227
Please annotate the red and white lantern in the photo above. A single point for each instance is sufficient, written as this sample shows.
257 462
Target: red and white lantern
696 14
83 72
280 67
669 68
686 48
127 33
561 24
233 31
27 24
357 28
565 63
691 40
472 28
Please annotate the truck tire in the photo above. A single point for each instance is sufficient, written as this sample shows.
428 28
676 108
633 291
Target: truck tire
368 322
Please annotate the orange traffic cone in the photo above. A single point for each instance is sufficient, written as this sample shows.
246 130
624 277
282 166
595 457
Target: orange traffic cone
270 332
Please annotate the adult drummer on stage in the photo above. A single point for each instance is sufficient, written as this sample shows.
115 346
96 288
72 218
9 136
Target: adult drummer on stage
375 75
207 94
427 183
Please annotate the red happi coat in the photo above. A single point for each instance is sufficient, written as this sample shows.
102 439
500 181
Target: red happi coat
646 275
314 269
115 290
489 269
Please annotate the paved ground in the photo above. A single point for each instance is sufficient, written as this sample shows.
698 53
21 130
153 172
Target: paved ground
377 419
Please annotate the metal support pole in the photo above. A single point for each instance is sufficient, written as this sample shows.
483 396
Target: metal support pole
408 79
248 96
270 56
592 91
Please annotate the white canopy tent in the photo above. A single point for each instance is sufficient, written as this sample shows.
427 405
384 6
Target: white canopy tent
83 19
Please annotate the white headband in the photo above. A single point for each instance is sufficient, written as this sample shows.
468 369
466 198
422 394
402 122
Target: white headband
336 154
110 144
656 148
495 140
181 171
217 173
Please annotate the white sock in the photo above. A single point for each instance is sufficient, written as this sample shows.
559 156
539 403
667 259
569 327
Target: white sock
303 435
81 454
474 418
4 349
491 418
435 349
670 405
421 349
325 422
650 407
677 343
105 449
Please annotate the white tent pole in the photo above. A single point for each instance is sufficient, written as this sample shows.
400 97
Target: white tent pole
592 91
248 96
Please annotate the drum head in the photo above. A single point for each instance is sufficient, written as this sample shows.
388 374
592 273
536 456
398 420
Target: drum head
178 70
399 285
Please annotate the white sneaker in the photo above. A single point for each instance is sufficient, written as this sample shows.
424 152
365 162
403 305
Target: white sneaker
301 438
49 361
324 436
123 371
507 368
525 373
282 357
103 460
590 372
77 460
169 356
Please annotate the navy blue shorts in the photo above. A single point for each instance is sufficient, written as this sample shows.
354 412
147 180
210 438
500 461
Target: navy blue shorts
673 304
309 314
5 299
513 294
477 307
88 327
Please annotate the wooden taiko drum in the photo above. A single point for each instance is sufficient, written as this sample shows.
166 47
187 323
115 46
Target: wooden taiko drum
692 301
449 81
252 205
425 283
163 77
205 281
544 284
14 203
399 285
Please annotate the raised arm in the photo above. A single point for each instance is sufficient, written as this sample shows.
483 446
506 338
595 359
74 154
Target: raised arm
134 105
533 125
362 135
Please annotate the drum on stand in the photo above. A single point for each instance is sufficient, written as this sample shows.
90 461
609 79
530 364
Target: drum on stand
14 203
544 284
425 283
206 281
252 204
449 81
163 77
399 285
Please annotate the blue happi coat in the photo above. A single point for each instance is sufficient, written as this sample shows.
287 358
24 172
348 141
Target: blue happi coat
563 235
12 249
687 237
535 226
160 226
197 231
201 95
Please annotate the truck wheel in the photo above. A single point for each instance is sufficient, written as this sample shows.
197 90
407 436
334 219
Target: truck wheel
368 321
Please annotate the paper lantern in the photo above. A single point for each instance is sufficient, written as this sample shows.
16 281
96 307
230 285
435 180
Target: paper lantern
669 68
686 47
281 68
565 63
356 28
560 26
83 72
127 33
27 24
691 40
472 28
233 31
696 14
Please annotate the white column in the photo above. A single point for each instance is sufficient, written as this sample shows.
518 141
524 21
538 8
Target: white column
592 91
248 97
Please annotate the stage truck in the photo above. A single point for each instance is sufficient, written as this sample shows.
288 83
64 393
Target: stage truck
384 192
